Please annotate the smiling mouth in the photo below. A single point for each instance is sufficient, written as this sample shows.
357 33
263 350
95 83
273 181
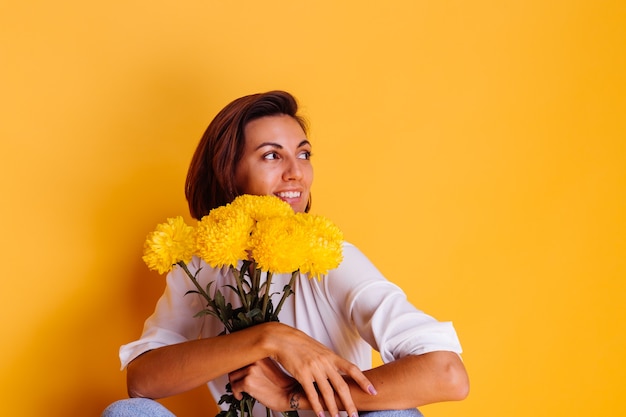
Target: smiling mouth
289 194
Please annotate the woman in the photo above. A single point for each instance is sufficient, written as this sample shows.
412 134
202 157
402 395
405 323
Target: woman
258 145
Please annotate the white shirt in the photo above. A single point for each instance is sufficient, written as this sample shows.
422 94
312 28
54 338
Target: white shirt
351 310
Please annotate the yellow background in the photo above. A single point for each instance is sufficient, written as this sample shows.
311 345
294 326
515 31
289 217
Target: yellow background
474 150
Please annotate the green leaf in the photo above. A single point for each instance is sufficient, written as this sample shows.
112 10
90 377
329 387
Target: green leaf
232 287
220 301
243 317
252 313
206 312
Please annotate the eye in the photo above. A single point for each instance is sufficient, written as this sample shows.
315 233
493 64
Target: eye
304 155
270 155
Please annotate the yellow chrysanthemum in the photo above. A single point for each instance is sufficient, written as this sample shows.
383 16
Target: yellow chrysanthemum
325 245
261 207
222 236
169 244
279 244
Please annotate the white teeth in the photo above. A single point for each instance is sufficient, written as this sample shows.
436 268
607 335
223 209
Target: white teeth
289 194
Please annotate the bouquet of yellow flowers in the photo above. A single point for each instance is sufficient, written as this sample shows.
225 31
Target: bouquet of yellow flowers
254 236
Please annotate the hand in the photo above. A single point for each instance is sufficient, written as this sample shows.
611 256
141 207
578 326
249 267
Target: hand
311 364
266 382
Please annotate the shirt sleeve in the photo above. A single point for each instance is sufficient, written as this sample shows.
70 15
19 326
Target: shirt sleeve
173 319
381 312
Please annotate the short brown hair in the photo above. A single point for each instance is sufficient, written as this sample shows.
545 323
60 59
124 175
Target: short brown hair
211 176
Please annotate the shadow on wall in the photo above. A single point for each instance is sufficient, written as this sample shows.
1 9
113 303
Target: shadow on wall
73 364
82 338
126 311
72 359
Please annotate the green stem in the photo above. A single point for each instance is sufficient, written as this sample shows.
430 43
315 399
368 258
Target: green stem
238 277
195 282
266 296
287 292
255 278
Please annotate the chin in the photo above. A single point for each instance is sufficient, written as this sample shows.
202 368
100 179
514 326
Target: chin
298 208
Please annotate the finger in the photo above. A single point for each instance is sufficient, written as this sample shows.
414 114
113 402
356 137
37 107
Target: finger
327 392
236 379
313 397
342 390
236 388
361 380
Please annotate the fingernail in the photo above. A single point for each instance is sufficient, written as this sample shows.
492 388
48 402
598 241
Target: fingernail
320 414
355 414
372 390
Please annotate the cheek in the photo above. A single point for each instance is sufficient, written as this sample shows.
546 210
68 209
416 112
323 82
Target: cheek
245 180
310 175
250 179
259 184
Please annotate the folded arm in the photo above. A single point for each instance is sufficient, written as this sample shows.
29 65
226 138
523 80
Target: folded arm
177 368
408 382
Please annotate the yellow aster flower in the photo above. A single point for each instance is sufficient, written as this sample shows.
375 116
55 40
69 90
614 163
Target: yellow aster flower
222 236
279 244
325 245
260 207
169 244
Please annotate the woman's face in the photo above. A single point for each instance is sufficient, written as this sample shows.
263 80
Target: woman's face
276 161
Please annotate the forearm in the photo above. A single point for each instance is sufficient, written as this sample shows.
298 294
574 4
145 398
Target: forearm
178 368
409 382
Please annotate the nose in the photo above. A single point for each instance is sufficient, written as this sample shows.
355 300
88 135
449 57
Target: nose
293 171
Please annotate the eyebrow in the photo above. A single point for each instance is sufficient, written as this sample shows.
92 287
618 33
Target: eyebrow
276 145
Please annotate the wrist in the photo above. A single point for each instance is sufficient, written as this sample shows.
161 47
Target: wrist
297 399
269 338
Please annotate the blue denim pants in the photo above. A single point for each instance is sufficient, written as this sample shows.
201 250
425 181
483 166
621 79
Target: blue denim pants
143 407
